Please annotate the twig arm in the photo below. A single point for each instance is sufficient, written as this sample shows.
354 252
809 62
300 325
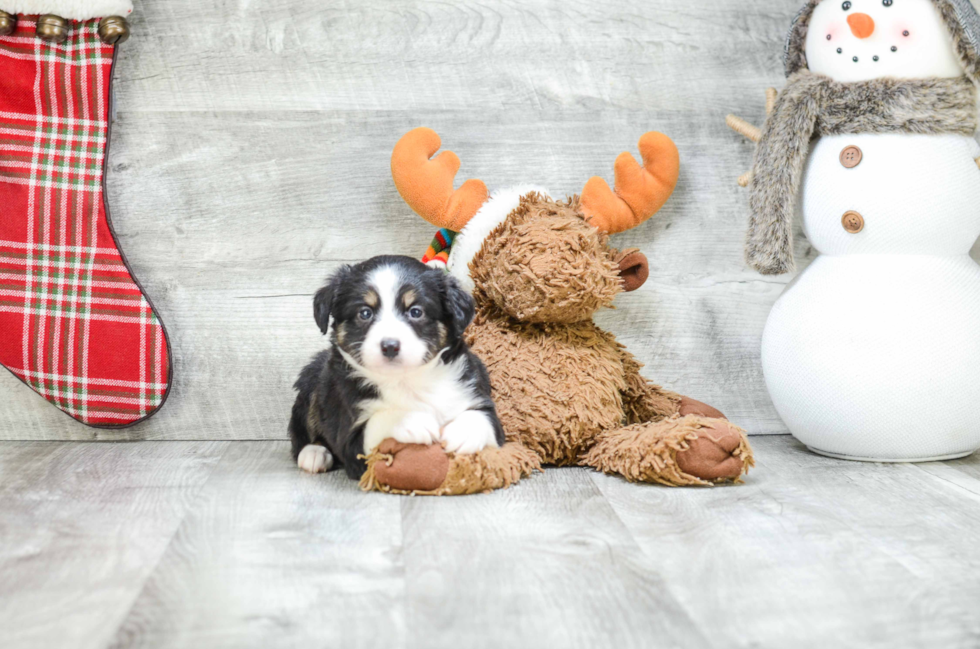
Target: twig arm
743 128
754 133
771 95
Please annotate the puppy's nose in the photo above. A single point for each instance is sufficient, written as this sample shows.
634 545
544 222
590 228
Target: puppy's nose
862 25
390 348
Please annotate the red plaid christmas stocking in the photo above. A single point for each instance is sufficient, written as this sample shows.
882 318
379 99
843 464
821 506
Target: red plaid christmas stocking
74 324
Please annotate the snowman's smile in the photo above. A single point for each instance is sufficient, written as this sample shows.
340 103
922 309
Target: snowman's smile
860 40
862 29
857 57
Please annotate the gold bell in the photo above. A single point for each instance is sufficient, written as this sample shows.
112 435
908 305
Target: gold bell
114 30
52 29
8 23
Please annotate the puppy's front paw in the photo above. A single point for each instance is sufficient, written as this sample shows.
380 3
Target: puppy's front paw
315 459
469 433
416 428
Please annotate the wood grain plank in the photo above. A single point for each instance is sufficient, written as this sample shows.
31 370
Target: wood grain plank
424 54
81 528
816 552
271 556
228 545
969 465
963 473
544 564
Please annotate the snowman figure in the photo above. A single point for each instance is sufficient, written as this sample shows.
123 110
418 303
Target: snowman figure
873 352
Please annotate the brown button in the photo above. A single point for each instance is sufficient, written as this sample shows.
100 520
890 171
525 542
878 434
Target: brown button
853 222
851 156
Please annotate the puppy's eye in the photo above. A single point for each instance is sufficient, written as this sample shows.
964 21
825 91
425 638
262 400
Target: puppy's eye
887 3
416 313
846 6
365 314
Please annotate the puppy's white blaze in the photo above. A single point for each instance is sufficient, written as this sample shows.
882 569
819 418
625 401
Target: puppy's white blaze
388 324
469 433
315 459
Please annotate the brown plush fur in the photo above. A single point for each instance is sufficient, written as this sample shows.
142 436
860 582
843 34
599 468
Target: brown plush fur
563 387
546 267
556 387
649 452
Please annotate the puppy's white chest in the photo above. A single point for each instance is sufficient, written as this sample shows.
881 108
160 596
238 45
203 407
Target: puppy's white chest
444 397
419 408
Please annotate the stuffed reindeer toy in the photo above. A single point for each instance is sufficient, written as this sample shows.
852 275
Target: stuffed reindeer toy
566 392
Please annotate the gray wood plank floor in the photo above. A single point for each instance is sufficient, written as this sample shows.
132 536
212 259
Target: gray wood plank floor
225 544
250 158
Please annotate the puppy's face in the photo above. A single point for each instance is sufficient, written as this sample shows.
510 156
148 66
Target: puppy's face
393 314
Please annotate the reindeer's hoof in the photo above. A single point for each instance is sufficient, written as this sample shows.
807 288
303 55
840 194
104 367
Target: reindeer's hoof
691 406
413 467
711 456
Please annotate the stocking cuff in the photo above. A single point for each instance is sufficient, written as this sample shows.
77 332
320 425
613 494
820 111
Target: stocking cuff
70 9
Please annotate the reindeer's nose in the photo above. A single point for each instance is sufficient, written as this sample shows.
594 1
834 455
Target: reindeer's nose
862 25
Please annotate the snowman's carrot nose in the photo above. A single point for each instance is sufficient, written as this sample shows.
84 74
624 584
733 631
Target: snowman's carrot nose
862 25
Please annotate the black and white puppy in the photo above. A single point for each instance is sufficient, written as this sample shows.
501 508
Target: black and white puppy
397 367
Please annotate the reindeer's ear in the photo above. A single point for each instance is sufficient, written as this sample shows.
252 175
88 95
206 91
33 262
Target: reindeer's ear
426 183
640 191
323 301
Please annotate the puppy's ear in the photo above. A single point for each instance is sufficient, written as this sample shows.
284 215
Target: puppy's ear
323 301
459 305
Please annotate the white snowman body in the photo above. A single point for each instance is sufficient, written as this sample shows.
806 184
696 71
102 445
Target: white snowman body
873 352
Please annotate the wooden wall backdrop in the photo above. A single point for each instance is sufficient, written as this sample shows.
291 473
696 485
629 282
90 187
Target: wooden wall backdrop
250 157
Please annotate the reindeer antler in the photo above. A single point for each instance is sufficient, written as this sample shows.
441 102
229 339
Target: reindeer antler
751 132
426 183
640 191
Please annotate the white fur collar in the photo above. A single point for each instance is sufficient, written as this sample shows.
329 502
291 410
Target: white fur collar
70 9
468 242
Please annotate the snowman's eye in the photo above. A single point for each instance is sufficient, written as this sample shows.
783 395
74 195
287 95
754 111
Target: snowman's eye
887 3
846 6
